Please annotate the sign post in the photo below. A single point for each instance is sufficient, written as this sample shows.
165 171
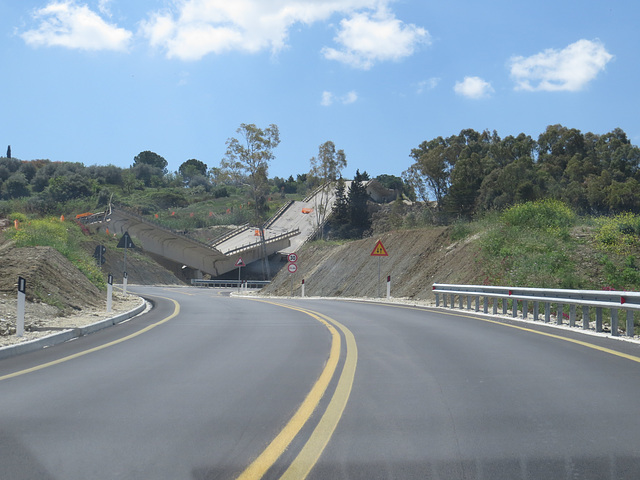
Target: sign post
109 291
379 251
239 264
98 254
292 267
22 288
125 242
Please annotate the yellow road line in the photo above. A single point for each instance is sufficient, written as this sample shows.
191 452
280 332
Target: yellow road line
310 453
176 311
610 351
323 431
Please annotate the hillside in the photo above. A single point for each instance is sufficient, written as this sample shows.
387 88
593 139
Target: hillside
417 258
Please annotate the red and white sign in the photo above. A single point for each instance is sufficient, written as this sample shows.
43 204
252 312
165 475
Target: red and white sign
292 267
379 250
293 258
240 263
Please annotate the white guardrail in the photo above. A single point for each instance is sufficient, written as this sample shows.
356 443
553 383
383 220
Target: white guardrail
614 301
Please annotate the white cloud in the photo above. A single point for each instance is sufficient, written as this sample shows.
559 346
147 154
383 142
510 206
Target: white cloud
367 38
70 25
429 84
350 97
195 28
103 7
473 87
328 98
569 69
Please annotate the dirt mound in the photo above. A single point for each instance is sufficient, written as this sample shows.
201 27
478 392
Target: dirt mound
50 277
417 259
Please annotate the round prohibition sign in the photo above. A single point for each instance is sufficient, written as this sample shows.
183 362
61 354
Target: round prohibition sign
292 267
293 258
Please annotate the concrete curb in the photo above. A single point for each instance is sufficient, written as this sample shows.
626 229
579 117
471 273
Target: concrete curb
66 335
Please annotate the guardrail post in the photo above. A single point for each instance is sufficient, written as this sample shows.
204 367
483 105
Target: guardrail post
572 316
629 332
437 299
485 308
536 311
614 322
559 314
514 308
547 312
525 309
585 317
598 319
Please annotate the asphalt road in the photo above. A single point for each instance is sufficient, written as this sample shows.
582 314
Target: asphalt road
206 386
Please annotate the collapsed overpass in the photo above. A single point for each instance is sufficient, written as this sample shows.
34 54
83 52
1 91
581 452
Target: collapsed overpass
294 224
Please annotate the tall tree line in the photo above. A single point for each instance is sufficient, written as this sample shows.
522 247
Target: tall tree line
472 172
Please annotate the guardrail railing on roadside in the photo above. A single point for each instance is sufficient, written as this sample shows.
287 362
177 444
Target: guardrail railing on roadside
230 283
614 301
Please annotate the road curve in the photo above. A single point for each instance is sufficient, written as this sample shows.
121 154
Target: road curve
204 385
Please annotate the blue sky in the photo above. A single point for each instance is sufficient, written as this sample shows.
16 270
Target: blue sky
98 81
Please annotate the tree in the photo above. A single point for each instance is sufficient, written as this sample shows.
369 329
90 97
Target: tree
16 186
358 211
63 188
326 169
429 176
152 159
192 168
9 151
250 155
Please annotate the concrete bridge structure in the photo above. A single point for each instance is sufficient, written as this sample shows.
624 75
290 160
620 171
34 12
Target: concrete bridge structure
294 224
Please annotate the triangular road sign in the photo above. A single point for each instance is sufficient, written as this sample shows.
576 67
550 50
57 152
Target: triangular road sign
379 250
240 263
126 242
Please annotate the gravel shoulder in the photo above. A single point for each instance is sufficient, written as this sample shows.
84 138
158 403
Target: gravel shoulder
42 320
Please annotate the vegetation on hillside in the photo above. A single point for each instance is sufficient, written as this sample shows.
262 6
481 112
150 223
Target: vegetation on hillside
65 237
536 204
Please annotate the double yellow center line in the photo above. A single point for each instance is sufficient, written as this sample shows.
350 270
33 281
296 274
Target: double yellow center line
310 453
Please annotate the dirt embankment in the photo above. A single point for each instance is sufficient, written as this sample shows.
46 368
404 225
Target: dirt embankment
55 288
416 259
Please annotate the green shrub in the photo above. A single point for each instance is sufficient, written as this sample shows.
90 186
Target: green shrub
548 215
63 237
21 217
619 234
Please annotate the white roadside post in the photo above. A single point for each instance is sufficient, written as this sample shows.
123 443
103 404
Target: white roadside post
109 292
124 283
303 288
388 287
22 287
240 263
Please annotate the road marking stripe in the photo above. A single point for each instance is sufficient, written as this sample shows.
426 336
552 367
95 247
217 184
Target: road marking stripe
610 351
310 453
322 433
176 311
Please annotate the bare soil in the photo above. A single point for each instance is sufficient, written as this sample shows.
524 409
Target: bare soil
416 259
60 296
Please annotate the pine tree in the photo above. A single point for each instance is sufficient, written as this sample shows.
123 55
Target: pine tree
9 151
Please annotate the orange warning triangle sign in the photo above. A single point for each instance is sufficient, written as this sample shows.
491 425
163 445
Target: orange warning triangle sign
379 250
